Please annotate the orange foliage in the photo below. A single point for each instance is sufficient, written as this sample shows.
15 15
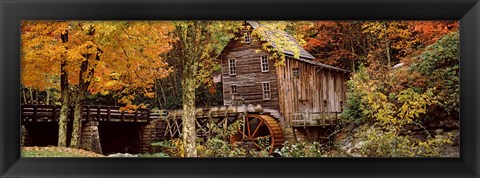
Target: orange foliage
129 52
341 43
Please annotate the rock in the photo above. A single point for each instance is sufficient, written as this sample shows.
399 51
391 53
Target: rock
350 127
438 131
453 155
360 144
122 155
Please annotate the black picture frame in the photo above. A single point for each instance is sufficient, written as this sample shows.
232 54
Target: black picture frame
467 11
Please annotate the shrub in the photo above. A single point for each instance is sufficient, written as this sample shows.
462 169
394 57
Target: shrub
381 143
215 147
353 107
302 149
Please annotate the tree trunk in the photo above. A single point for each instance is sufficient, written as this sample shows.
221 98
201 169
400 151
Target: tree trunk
163 94
36 97
387 43
188 117
83 84
31 95
24 96
47 99
157 96
77 119
65 99
352 47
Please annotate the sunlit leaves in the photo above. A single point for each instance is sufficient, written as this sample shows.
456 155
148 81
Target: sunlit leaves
426 88
121 54
276 40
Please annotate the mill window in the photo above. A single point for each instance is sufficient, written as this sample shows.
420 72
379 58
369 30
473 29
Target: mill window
264 63
232 67
234 89
246 37
266 90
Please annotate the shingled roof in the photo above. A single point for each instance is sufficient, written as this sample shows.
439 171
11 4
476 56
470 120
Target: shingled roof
272 34
305 56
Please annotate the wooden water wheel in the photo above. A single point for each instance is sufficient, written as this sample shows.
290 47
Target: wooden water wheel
260 129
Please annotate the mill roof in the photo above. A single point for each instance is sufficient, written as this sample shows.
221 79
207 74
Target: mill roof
269 35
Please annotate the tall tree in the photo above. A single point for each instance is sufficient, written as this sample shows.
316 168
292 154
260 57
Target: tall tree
94 57
44 50
199 44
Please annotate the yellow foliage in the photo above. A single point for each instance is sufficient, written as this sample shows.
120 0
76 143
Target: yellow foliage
120 55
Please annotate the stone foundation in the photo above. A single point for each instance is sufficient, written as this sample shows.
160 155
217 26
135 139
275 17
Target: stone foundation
90 138
148 134
24 137
132 138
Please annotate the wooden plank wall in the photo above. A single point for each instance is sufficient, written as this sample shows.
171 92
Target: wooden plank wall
249 76
315 90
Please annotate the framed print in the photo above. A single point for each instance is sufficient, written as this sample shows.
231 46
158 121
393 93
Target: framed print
239 88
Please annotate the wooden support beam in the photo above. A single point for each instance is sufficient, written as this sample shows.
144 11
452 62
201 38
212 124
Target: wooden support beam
35 113
135 117
148 116
108 113
54 113
123 116
88 112
98 113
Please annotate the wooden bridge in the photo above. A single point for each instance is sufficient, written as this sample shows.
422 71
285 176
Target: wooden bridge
257 123
51 113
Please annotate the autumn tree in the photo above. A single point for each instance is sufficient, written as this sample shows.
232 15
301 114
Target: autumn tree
94 57
198 46
337 43
346 44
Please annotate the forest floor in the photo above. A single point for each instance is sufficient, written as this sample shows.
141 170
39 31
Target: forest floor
52 151
350 141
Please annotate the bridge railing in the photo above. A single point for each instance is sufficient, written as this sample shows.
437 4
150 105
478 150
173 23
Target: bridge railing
314 119
51 113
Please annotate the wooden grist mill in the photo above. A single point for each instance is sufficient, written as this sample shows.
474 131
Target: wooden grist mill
258 126
302 93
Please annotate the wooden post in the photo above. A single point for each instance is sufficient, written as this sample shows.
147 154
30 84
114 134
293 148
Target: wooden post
54 113
98 113
135 116
108 113
88 113
123 116
294 134
34 113
148 116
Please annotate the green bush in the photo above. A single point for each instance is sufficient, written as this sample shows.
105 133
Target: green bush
215 147
302 149
439 64
381 143
353 107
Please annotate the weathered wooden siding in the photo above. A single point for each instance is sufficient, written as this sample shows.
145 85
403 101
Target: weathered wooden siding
314 90
249 76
